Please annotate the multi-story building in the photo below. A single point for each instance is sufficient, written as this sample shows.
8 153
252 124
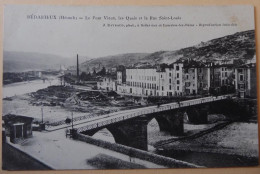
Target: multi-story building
182 78
141 81
196 77
226 74
203 78
222 77
190 77
169 81
245 80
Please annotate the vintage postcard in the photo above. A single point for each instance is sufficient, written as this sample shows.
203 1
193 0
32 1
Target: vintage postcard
129 87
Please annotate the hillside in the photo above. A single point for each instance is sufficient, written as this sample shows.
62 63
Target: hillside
25 61
240 46
111 61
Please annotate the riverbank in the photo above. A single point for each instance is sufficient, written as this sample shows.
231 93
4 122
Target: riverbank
21 88
237 138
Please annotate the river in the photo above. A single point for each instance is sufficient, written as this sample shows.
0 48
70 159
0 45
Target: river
205 159
210 159
27 87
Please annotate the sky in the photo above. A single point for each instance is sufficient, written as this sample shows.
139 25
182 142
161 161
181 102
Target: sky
91 39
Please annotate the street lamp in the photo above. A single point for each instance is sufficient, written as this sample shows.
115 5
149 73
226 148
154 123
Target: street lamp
42 114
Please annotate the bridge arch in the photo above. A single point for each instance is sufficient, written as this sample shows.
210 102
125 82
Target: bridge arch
104 134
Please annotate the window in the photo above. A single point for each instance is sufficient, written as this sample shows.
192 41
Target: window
177 75
187 76
177 68
241 77
170 80
225 74
187 84
170 74
178 87
162 88
157 87
161 75
178 82
170 87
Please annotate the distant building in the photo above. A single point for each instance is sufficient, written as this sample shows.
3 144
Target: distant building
121 75
107 83
245 80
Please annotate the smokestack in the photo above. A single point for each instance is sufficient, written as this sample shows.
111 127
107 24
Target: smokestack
77 66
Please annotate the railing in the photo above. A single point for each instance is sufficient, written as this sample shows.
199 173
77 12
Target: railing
148 110
62 122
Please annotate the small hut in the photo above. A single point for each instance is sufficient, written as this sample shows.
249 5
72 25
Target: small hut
17 127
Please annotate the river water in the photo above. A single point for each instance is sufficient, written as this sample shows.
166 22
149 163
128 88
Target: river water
210 159
27 87
205 159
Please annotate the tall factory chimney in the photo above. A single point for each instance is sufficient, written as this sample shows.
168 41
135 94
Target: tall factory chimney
77 67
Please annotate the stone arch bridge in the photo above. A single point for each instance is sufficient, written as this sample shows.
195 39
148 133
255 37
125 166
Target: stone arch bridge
129 127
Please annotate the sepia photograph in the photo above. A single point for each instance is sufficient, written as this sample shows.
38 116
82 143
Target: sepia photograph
129 87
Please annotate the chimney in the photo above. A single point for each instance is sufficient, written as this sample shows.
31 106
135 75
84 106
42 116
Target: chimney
77 66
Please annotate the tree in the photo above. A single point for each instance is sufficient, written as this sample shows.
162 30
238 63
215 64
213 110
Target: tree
102 72
94 71
83 76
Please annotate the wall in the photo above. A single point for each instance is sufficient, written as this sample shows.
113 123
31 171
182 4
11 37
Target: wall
144 155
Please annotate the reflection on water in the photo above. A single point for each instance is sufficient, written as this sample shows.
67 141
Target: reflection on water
26 87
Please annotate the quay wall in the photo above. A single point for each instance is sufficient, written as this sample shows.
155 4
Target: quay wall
136 153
